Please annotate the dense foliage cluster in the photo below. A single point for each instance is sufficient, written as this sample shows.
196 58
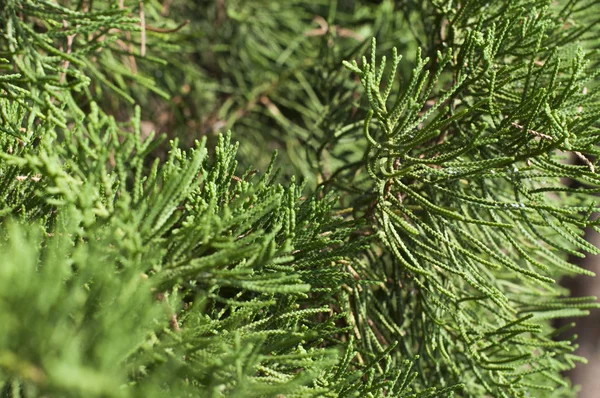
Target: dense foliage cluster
437 167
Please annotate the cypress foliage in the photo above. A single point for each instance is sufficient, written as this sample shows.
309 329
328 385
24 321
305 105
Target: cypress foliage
448 158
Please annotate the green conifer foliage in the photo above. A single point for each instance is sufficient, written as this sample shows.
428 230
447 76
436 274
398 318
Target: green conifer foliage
444 188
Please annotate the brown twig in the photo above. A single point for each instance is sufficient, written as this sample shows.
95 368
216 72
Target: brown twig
66 62
324 28
377 332
585 160
270 106
533 132
221 12
131 58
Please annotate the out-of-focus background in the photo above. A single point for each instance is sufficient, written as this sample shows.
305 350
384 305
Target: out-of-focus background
587 329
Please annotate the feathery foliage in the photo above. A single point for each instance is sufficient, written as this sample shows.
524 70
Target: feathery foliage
442 194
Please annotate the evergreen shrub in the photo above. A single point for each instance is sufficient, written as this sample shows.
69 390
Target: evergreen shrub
438 165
